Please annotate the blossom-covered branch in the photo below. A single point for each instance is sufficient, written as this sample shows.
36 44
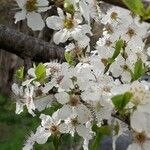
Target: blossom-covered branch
26 46
121 4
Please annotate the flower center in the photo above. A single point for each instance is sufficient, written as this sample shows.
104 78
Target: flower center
54 129
130 32
31 5
54 69
107 89
109 29
140 137
125 67
108 43
68 23
104 61
114 15
59 79
74 122
74 100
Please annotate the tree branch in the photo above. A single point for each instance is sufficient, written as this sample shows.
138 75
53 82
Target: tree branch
26 46
121 4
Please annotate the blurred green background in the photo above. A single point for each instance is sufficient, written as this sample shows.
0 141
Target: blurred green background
14 129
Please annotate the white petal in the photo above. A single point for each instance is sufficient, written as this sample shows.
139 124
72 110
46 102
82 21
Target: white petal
46 120
126 76
19 107
31 72
43 9
15 89
134 146
41 135
60 13
83 113
55 117
144 108
66 83
48 86
54 22
21 3
43 102
64 112
82 131
138 121
31 107
21 15
42 2
63 128
61 36
146 145
85 10
35 22
62 97
84 41
27 82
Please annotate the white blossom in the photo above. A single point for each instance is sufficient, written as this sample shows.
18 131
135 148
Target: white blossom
30 10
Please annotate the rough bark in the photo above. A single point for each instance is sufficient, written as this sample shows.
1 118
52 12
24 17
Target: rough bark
26 46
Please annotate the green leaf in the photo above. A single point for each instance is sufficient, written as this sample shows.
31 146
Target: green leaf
56 141
100 133
139 70
136 6
69 58
68 7
40 72
116 128
20 73
120 101
147 13
119 45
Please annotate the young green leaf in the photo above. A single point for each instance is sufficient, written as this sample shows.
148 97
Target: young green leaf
68 7
119 45
69 58
136 6
20 73
100 133
147 13
139 70
40 72
120 101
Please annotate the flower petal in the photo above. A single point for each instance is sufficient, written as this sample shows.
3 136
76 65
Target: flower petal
134 146
138 121
21 3
21 15
19 107
62 97
54 22
34 21
41 135
42 2
63 128
61 36
64 112
82 131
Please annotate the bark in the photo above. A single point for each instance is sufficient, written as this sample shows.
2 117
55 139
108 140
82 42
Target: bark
26 46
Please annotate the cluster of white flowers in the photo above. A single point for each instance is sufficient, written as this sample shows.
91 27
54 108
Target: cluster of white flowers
102 88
